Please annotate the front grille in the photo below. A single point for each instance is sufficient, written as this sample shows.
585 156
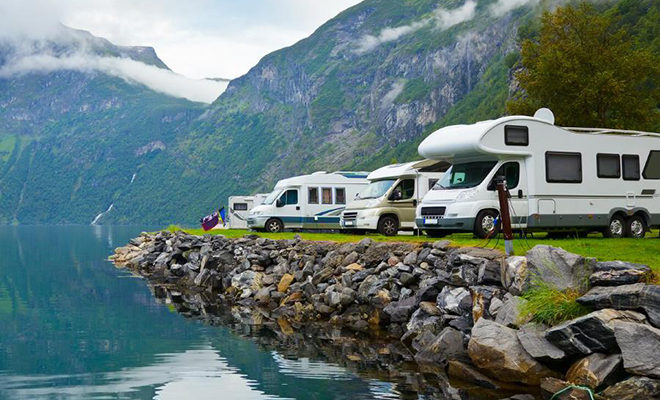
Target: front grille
433 211
350 216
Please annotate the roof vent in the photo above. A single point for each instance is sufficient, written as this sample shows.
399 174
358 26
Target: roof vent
545 114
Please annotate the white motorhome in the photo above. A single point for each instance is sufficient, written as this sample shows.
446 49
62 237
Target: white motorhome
388 204
239 208
312 201
578 179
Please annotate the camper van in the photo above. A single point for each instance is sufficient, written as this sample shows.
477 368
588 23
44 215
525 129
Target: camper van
312 201
558 179
388 204
239 208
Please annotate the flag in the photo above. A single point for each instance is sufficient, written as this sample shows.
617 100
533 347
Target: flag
223 216
210 221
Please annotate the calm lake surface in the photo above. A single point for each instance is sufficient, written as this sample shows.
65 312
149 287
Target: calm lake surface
74 326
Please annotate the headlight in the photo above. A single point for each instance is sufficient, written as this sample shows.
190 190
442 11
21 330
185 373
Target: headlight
255 213
467 195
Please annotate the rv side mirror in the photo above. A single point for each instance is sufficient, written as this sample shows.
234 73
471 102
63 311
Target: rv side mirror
493 183
396 195
357 196
279 202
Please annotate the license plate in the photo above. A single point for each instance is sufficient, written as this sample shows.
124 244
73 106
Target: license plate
430 221
348 223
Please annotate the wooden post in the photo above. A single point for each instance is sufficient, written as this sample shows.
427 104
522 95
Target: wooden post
505 217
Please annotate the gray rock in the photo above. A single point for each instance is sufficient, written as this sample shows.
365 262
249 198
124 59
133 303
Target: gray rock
640 347
351 258
464 275
532 338
490 273
592 333
495 349
513 274
558 268
400 311
509 314
262 296
448 345
635 388
441 245
410 258
626 297
595 370
495 305
423 254
463 372
618 277
456 301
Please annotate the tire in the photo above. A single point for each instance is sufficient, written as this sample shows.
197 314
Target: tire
484 220
636 227
388 226
616 228
274 225
436 233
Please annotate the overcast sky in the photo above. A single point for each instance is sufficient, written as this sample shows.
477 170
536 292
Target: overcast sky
197 38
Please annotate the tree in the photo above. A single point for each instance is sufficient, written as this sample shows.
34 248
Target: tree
590 71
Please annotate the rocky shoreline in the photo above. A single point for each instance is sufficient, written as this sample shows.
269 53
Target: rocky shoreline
453 311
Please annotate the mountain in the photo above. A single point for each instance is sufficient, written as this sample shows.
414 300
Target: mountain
362 91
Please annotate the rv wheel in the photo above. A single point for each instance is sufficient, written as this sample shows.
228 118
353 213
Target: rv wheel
274 225
388 226
636 228
616 228
484 225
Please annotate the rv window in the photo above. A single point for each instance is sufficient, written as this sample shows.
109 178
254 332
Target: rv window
313 195
511 172
240 206
340 196
630 167
407 189
326 196
608 166
515 135
291 196
563 167
652 167
468 175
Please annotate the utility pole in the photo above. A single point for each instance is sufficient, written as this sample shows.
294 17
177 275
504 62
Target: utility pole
505 218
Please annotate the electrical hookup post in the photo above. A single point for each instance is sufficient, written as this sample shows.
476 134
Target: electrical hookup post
505 217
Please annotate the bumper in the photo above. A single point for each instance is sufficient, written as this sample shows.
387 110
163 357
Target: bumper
360 223
257 222
452 224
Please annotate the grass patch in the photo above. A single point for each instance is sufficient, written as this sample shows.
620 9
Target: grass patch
551 306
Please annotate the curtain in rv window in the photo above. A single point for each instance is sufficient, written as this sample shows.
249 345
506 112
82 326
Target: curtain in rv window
340 196
563 167
326 195
291 196
630 167
313 195
652 167
608 166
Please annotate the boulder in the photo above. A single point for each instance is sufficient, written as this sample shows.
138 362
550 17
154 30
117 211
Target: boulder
513 274
591 333
285 282
448 345
490 273
626 297
247 280
463 372
558 268
410 258
557 389
640 348
533 340
635 388
614 273
456 301
495 348
595 370
400 311
509 314
495 306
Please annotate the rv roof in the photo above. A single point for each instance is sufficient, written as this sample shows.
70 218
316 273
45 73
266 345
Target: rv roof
396 170
320 177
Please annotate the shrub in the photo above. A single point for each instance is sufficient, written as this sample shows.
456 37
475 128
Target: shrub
552 306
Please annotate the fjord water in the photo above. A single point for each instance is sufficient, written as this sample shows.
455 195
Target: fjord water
74 326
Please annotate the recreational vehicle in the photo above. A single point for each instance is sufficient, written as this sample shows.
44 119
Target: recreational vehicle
388 204
312 201
577 179
239 208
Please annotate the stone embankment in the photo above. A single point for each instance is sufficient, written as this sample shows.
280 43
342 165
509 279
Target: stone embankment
457 309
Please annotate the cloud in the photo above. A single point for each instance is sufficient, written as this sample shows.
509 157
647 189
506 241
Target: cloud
502 7
155 78
442 19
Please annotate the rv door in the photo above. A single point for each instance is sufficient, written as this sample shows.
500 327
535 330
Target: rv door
288 206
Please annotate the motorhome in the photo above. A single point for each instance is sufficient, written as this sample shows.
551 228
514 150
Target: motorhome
558 179
388 204
312 201
239 208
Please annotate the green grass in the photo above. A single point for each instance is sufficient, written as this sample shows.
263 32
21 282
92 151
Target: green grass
551 306
643 251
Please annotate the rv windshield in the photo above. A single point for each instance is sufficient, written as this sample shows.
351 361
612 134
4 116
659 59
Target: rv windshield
376 189
466 175
271 197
